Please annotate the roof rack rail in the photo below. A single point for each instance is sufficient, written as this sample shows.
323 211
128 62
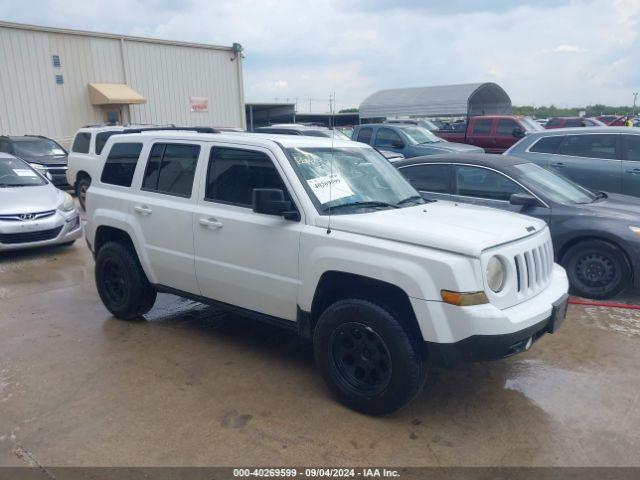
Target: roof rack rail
184 129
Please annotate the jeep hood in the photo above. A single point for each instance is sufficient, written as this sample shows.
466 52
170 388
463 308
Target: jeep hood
457 228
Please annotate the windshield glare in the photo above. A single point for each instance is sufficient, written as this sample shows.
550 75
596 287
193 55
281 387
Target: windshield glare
418 135
557 188
343 176
16 173
37 148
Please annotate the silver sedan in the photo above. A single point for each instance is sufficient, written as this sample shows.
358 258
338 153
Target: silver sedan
33 212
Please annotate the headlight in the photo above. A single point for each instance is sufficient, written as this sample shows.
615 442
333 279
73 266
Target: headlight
41 170
66 205
635 230
495 274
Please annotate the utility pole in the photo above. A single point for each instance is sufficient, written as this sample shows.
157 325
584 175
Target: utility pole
635 95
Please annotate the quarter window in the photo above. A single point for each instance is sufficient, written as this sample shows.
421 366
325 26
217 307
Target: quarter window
234 173
364 135
590 146
547 144
81 142
387 138
429 178
482 183
482 126
121 164
101 139
171 168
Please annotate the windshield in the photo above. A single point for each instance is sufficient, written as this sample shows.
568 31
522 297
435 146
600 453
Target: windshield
557 188
16 173
419 135
37 148
356 179
531 124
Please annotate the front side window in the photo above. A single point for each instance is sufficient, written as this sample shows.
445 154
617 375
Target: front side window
632 147
429 178
387 138
554 123
590 146
364 135
482 126
547 144
39 147
574 122
121 164
16 173
233 174
506 126
81 142
480 182
346 179
171 168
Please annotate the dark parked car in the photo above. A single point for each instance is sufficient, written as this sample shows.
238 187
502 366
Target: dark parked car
571 122
599 158
43 154
596 235
409 140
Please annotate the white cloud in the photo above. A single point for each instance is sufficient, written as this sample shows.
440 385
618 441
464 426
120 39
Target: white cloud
567 49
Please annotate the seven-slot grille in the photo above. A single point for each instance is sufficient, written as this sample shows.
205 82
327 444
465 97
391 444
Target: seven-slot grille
534 267
29 237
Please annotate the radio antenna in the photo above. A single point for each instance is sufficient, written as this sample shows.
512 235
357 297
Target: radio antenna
332 106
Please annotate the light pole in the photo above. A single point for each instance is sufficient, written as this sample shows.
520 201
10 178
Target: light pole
635 95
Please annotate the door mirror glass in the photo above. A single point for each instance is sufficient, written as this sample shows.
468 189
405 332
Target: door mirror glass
523 199
270 201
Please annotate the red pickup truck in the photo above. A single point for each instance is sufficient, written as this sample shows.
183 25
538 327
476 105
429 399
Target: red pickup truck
494 133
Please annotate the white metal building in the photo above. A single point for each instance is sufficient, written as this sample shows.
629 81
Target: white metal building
53 81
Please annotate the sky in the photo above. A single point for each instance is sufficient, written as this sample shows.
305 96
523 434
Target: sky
542 52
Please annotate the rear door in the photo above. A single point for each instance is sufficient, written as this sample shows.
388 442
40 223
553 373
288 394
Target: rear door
489 188
481 133
591 160
163 211
631 164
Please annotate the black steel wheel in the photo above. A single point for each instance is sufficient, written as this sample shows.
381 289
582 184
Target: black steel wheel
596 269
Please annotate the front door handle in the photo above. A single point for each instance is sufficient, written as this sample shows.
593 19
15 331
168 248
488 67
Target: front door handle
558 165
635 171
210 223
143 210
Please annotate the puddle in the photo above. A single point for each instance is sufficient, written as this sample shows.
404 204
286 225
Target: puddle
618 320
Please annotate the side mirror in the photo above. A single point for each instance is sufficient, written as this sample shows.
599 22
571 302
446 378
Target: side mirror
397 144
270 201
518 132
523 199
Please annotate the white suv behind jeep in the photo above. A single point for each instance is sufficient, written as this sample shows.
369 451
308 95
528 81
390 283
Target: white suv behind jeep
325 238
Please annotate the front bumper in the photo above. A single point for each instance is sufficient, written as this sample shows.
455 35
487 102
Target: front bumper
482 332
53 230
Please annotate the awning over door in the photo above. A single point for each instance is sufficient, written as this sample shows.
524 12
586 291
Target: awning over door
113 93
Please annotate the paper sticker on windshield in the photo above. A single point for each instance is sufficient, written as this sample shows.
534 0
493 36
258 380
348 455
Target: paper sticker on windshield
329 187
24 172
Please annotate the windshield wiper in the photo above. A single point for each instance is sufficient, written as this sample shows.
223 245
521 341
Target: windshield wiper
362 204
413 198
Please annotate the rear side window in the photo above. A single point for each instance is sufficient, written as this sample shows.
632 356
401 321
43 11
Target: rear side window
81 142
429 178
506 126
121 164
482 126
590 146
547 144
364 135
234 173
171 169
101 139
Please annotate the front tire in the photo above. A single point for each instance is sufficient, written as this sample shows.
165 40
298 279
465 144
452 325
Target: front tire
596 269
122 284
367 358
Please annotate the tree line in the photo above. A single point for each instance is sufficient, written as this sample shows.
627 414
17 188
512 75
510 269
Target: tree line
553 111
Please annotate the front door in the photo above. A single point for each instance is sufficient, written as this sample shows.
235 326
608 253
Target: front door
244 258
631 165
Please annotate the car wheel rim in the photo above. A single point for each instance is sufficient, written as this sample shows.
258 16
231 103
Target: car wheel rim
115 284
595 271
361 358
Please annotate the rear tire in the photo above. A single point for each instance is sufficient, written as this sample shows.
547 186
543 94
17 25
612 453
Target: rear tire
81 191
596 269
367 358
122 284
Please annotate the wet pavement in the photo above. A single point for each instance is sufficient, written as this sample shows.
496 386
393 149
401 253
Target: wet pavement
194 386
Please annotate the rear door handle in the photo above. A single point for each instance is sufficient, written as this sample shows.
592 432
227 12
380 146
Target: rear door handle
558 165
143 210
211 223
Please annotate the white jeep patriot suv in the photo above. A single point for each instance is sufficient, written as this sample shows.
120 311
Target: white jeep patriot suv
325 238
